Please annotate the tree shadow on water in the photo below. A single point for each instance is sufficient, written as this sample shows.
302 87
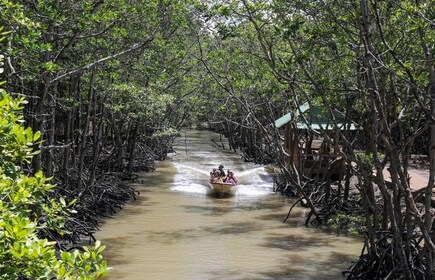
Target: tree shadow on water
114 249
299 267
293 242
233 228
209 210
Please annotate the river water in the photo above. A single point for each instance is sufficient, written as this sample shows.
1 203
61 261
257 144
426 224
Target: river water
175 230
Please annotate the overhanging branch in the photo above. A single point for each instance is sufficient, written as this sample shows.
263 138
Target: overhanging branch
102 60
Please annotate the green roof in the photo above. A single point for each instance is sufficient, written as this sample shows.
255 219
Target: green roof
288 117
283 120
316 118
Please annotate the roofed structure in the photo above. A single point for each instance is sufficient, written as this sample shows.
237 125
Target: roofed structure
314 118
304 148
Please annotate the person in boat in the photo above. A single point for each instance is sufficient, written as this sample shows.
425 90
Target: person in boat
216 177
222 171
231 178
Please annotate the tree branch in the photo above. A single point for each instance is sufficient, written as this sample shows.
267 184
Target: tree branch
102 60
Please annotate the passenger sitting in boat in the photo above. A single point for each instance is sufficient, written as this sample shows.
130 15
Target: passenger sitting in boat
222 171
216 178
231 178
212 173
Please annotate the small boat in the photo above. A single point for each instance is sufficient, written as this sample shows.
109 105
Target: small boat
222 189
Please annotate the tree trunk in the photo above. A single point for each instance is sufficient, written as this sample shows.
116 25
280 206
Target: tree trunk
97 139
51 141
85 132
132 146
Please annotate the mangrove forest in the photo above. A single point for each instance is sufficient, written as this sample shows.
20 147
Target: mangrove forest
336 98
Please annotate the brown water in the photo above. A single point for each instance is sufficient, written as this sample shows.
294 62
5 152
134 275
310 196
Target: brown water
176 231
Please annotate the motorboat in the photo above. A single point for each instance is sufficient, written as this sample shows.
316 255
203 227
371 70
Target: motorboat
222 189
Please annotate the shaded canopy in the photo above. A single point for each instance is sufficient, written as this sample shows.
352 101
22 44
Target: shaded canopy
315 118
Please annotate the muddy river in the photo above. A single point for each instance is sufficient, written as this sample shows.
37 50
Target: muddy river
175 230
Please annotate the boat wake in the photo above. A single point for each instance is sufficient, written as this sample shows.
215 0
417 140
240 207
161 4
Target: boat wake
255 181
249 171
190 188
182 166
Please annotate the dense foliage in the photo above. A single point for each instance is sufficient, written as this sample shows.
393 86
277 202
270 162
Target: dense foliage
26 211
106 79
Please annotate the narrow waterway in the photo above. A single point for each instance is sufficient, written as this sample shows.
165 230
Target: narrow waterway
174 230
